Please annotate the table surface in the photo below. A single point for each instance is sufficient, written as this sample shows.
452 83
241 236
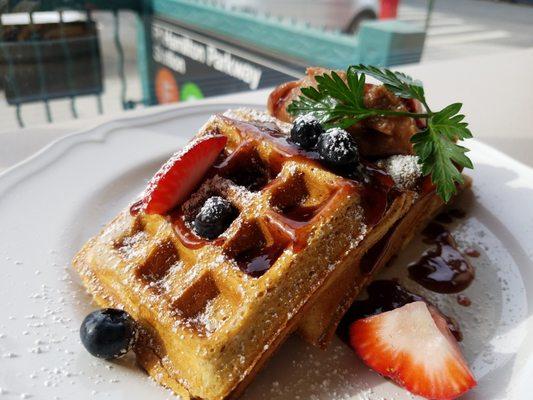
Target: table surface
497 93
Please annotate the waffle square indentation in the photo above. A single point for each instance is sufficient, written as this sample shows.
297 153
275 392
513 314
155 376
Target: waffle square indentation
255 249
244 167
299 197
159 262
203 307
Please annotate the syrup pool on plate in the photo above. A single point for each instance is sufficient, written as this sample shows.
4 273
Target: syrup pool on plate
443 269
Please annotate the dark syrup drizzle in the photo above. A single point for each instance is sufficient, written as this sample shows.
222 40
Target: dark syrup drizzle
387 295
374 185
302 213
443 269
187 236
296 224
293 227
244 167
136 207
255 262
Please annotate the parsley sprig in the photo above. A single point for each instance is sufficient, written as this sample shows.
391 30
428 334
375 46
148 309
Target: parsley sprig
335 102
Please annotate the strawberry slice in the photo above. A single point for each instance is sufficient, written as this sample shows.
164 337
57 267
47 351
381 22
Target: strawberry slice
181 174
413 346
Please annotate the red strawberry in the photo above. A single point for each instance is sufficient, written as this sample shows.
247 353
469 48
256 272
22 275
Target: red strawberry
181 174
413 346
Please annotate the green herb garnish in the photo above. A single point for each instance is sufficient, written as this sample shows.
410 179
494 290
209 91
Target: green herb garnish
335 102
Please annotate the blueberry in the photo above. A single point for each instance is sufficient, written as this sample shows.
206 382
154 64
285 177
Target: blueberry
214 217
338 147
305 131
108 333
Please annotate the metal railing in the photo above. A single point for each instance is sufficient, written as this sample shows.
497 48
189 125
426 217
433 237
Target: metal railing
26 59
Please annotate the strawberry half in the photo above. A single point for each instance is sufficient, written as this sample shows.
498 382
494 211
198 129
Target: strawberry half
181 174
413 346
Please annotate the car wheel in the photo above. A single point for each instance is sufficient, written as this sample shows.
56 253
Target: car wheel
364 15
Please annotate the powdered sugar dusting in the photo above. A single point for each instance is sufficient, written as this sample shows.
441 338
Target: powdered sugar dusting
306 119
343 146
214 206
404 170
314 374
217 186
129 245
205 318
252 115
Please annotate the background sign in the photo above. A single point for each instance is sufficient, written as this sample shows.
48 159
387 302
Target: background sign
189 65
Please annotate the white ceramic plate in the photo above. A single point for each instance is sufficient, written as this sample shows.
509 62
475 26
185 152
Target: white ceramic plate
53 202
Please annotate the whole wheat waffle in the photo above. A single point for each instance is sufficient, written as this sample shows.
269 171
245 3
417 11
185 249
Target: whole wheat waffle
320 321
212 312
377 137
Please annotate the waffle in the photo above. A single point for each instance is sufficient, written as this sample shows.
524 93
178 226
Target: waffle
320 321
212 312
378 137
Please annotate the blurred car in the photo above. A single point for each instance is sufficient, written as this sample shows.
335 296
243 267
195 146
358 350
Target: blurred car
343 15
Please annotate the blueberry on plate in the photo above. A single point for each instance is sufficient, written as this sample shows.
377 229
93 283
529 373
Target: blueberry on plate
108 333
305 131
214 217
338 147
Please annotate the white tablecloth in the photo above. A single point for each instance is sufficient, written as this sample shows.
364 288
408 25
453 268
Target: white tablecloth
497 93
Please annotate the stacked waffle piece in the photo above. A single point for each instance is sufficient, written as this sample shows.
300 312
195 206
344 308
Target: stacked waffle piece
304 243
